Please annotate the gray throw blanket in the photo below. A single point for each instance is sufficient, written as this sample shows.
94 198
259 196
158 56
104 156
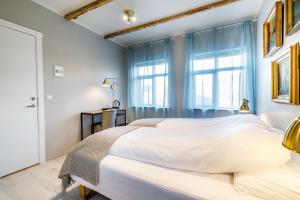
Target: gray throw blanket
83 160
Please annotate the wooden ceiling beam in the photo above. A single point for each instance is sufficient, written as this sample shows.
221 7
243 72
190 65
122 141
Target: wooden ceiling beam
170 18
80 11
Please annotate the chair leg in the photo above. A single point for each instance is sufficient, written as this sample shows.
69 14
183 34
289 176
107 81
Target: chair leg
82 191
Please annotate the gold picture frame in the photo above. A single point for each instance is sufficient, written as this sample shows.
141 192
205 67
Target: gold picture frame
285 77
292 16
273 30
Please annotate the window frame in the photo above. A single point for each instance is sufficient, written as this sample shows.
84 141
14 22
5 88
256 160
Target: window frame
214 71
153 76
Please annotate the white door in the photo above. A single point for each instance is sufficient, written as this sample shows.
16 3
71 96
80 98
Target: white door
19 142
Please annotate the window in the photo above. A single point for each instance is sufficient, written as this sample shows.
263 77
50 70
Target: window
217 79
151 84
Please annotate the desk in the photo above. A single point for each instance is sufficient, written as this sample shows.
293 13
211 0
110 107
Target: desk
120 112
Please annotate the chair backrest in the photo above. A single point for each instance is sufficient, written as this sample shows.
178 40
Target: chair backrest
109 118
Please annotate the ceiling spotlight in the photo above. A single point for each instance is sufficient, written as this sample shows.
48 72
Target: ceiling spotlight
128 16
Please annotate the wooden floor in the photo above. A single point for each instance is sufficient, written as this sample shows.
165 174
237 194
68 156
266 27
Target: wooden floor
38 183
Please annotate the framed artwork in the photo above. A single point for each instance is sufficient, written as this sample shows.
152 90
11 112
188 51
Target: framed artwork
292 16
285 77
272 30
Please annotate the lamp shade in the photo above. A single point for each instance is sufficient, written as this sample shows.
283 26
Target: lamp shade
292 136
245 106
105 83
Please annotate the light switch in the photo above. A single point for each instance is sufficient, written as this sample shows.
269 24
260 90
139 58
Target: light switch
59 71
49 97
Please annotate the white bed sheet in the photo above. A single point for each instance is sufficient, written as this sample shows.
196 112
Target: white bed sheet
124 179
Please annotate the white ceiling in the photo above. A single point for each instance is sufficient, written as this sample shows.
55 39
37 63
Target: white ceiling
108 18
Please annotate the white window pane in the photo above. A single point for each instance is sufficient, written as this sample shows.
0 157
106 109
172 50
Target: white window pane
161 91
161 69
236 88
145 70
224 62
230 61
202 64
225 89
237 60
148 70
147 91
204 93
140 71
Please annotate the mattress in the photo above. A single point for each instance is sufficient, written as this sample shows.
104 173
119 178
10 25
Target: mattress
124 179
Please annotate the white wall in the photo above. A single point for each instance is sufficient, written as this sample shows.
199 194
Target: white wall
278 115
87 59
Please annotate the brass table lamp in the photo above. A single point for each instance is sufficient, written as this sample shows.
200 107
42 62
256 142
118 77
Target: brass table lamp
292 136
245 106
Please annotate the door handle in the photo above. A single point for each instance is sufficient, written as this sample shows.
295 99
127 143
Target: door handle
31 106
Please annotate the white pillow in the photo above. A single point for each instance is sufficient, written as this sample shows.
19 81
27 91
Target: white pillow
253 148
280 183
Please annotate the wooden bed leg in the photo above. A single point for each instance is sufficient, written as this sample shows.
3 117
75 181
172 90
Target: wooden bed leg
82 191
86 193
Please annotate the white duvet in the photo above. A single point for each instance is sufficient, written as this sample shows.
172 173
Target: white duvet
241 147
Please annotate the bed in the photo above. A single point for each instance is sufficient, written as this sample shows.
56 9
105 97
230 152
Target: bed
195 160
139 181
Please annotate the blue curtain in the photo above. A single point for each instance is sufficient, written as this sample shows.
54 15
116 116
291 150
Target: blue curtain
216 59
151 90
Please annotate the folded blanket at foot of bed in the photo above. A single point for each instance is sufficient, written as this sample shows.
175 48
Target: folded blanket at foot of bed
83 159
